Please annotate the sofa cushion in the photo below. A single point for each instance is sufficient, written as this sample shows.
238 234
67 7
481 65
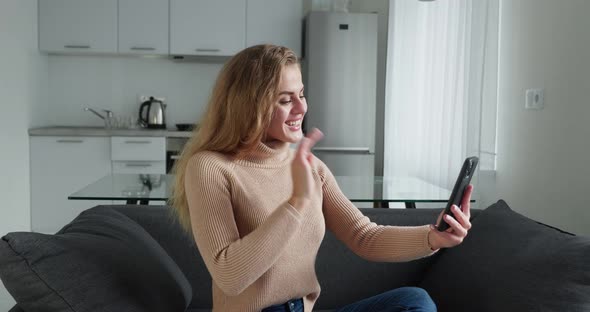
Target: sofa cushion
163 226
101 261
511 263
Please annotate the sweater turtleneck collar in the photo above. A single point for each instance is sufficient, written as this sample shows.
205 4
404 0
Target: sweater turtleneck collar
271 154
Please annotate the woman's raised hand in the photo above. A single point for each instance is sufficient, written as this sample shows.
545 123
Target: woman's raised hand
303 183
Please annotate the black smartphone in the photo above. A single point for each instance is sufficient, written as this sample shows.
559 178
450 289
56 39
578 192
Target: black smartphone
467 171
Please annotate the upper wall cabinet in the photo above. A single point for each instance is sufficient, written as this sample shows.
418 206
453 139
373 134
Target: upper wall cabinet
177 27
143 26
78 26
275 21
207 27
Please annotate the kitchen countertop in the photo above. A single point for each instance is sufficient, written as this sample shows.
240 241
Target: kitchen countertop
102 132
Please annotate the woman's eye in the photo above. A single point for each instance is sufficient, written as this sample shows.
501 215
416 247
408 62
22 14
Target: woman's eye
289 101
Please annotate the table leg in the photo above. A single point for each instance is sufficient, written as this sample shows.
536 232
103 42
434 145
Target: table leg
381 204
132 201
410 205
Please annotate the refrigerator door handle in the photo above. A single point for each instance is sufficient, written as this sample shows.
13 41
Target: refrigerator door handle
347 150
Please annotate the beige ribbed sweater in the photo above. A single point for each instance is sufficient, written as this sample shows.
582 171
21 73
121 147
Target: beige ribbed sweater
260 250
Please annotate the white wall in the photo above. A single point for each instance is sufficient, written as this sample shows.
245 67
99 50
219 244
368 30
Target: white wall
114 83
543 156
23 76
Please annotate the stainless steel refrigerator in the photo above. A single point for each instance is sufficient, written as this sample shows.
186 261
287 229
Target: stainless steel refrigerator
340 70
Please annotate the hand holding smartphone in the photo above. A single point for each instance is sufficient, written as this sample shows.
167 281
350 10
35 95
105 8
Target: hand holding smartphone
465 175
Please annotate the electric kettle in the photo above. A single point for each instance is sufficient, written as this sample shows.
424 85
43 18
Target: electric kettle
151 114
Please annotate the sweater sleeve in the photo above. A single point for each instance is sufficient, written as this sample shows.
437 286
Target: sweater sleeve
234 262
365 238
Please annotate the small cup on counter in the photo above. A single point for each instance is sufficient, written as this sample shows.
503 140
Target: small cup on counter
131 122
121 122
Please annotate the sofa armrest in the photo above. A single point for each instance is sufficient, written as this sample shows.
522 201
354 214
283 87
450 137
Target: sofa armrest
92 262
509 262
16 308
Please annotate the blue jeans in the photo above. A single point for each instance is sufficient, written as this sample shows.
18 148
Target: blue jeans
295 305
403 299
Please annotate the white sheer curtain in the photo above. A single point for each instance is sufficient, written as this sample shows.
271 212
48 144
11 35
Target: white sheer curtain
434 87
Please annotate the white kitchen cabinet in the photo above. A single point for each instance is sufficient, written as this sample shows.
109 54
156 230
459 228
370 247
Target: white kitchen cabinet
143 26
277 22
207 27
139 167
133 148
61 166
78 26
138 155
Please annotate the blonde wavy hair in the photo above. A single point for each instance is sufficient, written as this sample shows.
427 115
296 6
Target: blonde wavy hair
238 113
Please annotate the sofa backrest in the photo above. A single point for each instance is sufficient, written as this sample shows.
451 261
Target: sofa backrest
346 278
343 276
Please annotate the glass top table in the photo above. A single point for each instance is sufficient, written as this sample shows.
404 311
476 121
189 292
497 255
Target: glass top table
142 188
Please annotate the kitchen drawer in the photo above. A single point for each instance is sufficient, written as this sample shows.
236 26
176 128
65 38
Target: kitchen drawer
138 148
149 167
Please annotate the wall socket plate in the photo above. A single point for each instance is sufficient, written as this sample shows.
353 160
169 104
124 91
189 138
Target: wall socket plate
535 99
142 98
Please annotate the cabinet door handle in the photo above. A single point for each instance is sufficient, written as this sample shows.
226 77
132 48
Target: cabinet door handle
74 46
350 150
138 165
69 141
143 48
137 142
208 50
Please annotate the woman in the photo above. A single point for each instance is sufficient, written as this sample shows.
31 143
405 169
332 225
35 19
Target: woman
258 210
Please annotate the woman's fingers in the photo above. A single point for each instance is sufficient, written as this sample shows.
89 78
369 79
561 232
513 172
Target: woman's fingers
307 143
460 224
466 200
315 135
444 239
439 219
457 228
461 217
301 167
310 140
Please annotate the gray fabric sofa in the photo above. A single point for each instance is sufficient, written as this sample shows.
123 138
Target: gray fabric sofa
136 258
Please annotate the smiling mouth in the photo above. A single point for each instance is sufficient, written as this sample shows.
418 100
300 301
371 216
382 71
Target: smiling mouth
294 123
